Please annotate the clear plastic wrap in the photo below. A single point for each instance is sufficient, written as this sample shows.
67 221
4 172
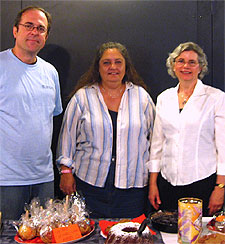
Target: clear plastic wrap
39 221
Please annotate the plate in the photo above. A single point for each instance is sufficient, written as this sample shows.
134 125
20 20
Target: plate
217 226
165 221
102 234
38 240
105 236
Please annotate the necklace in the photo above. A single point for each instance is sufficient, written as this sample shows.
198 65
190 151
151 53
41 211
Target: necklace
185 99
112 95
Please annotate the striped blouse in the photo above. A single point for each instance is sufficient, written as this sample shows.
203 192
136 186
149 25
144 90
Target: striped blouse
86 136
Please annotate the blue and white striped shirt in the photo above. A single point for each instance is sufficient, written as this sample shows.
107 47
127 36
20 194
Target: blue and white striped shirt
85 140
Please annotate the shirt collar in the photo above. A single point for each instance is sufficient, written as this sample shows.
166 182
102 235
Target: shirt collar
199 88
129 85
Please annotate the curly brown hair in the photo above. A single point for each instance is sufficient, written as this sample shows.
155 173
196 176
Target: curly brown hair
92 75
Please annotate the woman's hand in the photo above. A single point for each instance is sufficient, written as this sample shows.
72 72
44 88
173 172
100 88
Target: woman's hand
153 197
153 194
67 183
216 200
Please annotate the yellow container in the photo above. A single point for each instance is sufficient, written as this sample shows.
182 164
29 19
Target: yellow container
189 220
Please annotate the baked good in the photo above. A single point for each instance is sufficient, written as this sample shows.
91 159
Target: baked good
165 221
26 232
46 234
120 221
212 238
85 227
217 223
127 233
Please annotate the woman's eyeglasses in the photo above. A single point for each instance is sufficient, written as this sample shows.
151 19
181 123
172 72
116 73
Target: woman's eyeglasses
182 62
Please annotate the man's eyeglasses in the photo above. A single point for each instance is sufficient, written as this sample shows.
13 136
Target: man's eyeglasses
181 62
31 27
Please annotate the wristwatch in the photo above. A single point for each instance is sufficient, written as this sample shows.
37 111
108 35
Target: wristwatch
65 171
220 185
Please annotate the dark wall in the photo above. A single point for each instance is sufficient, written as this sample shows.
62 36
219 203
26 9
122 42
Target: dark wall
149 29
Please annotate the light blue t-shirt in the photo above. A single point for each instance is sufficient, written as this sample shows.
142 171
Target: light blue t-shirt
29 98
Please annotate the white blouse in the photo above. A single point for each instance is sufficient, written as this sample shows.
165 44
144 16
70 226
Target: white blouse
188 146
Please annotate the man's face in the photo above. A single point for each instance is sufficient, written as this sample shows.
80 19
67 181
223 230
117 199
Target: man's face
31 42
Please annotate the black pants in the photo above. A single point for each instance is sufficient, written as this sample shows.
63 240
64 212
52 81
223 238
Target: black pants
112 202
170 194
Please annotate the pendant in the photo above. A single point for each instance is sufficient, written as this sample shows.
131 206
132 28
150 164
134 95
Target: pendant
184 102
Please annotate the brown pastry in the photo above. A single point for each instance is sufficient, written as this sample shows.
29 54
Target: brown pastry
127 232
121 221
212 238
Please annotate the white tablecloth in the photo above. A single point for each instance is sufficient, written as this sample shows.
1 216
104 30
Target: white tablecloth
172 238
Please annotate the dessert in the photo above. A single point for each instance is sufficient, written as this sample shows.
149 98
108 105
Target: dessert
217 224
212 238
40 222
165 221
84 226
121 221
26 232
46 234
127 233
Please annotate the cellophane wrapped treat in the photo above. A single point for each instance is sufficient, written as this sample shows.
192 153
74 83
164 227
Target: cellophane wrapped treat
27 230
39 221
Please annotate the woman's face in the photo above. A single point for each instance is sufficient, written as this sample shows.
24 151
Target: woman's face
112 66
186 67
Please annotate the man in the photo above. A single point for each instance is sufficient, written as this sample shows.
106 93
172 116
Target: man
29 98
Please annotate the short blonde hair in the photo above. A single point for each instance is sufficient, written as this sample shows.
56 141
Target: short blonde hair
187 46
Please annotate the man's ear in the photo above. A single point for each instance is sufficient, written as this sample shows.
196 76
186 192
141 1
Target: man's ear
15 30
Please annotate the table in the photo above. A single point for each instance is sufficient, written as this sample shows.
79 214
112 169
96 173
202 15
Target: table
9 231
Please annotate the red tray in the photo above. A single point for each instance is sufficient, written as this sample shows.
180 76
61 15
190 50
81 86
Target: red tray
38 239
